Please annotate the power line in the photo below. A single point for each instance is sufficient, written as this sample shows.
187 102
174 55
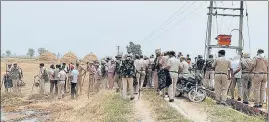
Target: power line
181 20
163 25
179 14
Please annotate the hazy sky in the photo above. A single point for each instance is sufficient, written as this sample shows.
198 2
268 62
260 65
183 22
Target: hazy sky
98 27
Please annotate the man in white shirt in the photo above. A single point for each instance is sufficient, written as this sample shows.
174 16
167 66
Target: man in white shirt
172 65
236 80
74 80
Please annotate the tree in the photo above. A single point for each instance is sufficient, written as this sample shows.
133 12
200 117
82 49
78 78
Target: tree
31 52
134 49
42 50
8 52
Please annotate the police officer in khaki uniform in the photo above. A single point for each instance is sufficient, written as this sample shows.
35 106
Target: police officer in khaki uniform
82 72
42 78
117 77
222 77
209 73
16 75
90 69
260 78
245 66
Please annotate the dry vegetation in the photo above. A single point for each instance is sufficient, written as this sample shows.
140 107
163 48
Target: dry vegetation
219 113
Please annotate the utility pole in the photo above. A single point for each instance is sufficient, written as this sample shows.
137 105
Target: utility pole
240 44
209 27
118 49
238 48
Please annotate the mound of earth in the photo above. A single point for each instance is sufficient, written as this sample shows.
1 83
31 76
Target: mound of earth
48 57
90 57
69 58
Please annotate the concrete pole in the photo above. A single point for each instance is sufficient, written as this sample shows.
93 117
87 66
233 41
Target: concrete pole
240 43
209 27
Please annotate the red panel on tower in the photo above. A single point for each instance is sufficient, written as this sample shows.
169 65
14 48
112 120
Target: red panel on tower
224 40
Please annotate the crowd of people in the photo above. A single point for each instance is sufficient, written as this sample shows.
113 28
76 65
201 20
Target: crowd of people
162 71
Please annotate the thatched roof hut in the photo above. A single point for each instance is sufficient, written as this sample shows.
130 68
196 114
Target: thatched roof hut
90 57
47 57
69 58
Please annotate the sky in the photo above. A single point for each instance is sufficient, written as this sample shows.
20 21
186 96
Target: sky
91 26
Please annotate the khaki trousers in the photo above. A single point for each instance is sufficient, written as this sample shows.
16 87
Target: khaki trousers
163 91
246 80
129 82
16 88
61 89
209 79
150 79
155 80
97 85
259 86
221 87
79 84
110 80
105 82
236 82
173 86
118 81
91 83
141 81
42 86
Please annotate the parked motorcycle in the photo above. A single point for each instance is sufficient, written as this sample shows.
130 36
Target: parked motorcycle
192 86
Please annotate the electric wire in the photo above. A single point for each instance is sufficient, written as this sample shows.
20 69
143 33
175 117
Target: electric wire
182 12
163 25
180 20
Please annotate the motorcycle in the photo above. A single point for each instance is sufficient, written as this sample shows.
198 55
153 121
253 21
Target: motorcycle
192 86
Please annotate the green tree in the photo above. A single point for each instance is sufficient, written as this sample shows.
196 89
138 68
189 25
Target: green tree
8 52
42 50
31 52
134 49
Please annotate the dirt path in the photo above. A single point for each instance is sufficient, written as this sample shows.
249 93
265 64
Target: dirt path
192 111
142 111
